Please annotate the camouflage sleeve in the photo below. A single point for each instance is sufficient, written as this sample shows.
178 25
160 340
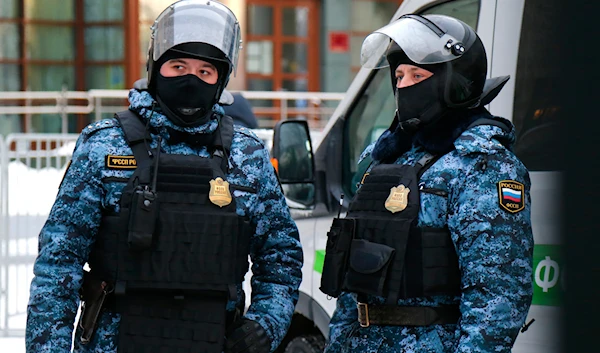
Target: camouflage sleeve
275 252
489 219
344 319
64 245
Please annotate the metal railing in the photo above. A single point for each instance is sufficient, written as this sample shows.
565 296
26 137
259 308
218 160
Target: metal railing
31 168
283 104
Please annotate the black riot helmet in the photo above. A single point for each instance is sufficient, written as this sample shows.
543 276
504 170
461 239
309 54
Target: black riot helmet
443 45
206 30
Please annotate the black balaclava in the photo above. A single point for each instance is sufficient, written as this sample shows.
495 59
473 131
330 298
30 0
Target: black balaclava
423 118
187 100
423 103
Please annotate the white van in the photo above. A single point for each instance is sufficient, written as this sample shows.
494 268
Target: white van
518 36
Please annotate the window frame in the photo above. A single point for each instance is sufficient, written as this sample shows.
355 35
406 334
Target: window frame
79 64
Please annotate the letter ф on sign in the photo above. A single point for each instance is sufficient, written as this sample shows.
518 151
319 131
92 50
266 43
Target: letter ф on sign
548 275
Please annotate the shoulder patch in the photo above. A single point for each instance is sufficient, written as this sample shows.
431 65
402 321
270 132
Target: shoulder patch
120 162
511 195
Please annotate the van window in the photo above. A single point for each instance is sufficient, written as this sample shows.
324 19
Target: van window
373 111
465 10
537 104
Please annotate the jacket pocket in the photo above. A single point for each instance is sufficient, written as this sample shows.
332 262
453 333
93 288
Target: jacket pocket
368 266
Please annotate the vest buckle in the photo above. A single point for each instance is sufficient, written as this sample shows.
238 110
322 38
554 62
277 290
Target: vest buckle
363 314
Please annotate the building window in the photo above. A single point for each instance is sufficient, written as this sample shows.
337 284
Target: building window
367 16
51 45
281 52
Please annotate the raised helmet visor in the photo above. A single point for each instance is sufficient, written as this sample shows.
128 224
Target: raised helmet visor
179 23
421 40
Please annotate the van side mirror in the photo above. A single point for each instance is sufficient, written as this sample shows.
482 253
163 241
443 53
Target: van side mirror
293 160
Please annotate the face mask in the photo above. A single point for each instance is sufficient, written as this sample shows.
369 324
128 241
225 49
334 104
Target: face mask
419 105
186 100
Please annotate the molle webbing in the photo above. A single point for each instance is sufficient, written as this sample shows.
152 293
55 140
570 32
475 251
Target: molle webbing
370 198
424 260
198 245
171 325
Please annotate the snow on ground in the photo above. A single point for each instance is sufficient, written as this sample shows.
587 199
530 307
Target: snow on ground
31 194
12 345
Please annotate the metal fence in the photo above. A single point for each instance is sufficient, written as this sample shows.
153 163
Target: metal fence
31 167
269 106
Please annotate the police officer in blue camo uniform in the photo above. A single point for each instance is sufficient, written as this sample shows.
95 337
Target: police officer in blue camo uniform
435 252
165 202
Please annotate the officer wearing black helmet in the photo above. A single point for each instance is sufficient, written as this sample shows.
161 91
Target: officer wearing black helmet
435 252
165 202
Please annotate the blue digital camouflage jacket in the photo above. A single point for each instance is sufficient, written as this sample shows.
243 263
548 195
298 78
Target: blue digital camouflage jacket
89 188
494 246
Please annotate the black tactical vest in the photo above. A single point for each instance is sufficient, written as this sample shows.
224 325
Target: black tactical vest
378 249
174 256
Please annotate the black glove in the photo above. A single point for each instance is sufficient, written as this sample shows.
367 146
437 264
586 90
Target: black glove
247 336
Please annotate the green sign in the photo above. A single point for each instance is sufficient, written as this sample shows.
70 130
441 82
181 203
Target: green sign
548 274
319 259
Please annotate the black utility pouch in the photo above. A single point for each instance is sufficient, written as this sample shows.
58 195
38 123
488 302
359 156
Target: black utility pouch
368 267
142 219
335 264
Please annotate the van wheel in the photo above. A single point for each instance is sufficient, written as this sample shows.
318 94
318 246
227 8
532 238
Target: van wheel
306 344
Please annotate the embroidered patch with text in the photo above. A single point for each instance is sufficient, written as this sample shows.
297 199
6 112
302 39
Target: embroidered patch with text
120 162
511 195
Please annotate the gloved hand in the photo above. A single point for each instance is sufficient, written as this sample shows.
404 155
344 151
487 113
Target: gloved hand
247 336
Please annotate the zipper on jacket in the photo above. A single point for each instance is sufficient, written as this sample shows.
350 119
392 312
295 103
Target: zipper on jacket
115 179
434 191
243 188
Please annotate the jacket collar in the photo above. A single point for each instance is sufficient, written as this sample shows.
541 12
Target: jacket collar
142 103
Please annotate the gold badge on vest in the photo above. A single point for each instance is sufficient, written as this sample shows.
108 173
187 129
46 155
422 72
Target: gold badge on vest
219 192
398 199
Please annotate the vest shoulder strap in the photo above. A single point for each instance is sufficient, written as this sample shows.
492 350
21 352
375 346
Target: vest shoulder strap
135 133
488 121
133 128
224 135
221 146
425 163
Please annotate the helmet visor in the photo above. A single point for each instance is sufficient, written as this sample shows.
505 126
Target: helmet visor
197 21
423 43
